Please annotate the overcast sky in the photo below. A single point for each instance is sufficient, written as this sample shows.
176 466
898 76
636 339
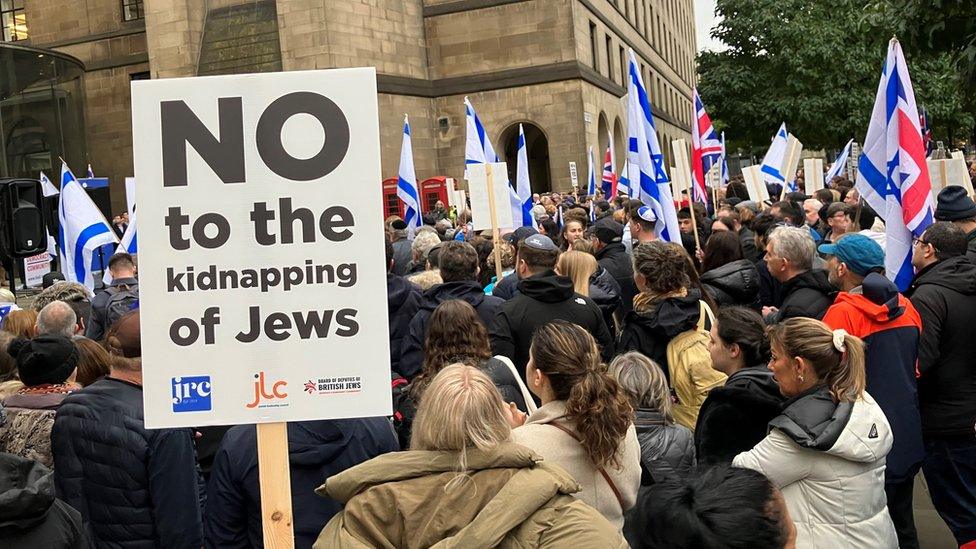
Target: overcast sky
704 21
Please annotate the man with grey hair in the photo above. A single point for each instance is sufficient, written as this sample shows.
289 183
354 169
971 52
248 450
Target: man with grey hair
56 318
806 291
423 242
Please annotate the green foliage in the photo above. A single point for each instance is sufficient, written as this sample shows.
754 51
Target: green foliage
814 65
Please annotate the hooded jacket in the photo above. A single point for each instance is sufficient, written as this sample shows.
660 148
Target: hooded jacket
735 283
734 417
650 333
403 302
509 497
466 290
890 327
543 298
605 292
30 516
829 461
667 449
807 294
316 450
135 487
945 296
971 247
402 256
614 258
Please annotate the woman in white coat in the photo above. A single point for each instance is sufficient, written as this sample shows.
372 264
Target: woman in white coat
826 450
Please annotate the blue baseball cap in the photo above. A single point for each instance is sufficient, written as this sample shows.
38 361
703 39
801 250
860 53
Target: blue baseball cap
858 252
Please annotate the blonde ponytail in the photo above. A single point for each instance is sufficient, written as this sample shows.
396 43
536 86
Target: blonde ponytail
836 356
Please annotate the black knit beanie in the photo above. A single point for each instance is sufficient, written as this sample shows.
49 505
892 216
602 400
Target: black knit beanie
46 359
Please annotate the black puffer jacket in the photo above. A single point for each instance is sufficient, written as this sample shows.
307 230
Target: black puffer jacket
614 258
605 292
30 516
543 298
650 333
945 296
403 301
735 283
735 417
667 449
134 487
466 290
806 295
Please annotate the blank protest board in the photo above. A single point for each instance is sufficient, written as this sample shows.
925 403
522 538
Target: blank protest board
952 171
813 175
755 184
478 190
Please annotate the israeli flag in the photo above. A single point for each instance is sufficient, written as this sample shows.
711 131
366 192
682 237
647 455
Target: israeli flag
83 230
5 309
772 164
522 204
407 190
645 162
47 187
840 164
590 174
127 245
91 174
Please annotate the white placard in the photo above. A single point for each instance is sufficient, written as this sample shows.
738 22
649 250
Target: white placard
813 175
791 160
264 188
953 171
35 267
451 191
957 154
758 192
572 174
480 206
130 195
461 199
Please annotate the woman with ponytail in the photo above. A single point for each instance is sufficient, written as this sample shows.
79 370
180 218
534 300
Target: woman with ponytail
826 450
585 423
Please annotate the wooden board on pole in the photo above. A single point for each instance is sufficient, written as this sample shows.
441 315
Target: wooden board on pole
274 473
790 162
813 175
495 238
758 192
681 173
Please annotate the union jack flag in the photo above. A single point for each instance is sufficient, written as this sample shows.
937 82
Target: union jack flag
892 175
706 149
609 180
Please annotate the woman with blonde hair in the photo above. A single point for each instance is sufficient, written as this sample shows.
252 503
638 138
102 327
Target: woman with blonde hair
463 483
591 280
826 450
585 423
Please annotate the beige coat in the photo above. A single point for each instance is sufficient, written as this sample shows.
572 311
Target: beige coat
558 447
508 498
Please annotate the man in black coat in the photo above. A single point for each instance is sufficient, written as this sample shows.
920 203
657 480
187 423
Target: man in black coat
944 293
607 237
458 263
956 206
30 515
403 302
402 253
806 291
134 487
543 297
123 270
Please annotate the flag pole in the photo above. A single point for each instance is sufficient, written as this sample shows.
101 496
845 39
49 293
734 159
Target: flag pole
495 235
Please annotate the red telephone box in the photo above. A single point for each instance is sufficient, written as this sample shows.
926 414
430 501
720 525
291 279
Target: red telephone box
391 203
432 190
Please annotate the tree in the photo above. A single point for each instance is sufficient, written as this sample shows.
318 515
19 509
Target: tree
814 65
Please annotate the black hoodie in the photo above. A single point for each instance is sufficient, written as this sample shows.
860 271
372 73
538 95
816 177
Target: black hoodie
403 301
734 417
30 516
806 295
735 283
543 298
945 296
605 292
650 333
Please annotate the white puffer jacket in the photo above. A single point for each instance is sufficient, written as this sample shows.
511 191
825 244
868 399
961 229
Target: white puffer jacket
830 467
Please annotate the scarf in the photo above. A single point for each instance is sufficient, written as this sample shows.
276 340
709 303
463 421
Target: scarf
645 302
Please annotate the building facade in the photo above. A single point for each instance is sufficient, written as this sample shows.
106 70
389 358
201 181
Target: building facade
556 66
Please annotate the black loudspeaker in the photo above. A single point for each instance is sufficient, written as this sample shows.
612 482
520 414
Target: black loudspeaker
22 229
103 199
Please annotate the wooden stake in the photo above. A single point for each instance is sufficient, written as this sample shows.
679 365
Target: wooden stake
495 238
275 479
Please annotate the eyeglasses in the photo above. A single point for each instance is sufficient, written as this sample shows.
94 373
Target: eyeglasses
916 241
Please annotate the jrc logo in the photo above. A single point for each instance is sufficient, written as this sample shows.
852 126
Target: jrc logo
191 394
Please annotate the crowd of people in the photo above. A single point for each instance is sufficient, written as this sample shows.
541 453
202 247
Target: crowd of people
761 384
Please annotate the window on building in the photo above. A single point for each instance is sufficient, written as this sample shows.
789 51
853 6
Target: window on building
144 75
594 47
12 20
624 69
609 45
132 10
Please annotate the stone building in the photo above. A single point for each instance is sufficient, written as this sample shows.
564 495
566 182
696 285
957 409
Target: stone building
556 66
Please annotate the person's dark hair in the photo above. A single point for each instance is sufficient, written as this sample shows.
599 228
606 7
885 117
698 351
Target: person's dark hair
94 362
695 281
948 239
721 248
457 261
662 265
763 224
8 364
745 328
843 184
684 213
824 196
389 254
720 508
728 220
737 189
549 226
790 212
121 260
486 260
455 334
569 356
865 216
537 260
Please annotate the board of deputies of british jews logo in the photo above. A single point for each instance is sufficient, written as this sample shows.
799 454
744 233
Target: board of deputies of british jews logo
334 385
191 394
268 393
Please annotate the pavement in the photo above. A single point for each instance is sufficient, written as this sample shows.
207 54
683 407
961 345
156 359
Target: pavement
932 532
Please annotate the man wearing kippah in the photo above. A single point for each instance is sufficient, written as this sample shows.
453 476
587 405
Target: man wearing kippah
870 307
956 206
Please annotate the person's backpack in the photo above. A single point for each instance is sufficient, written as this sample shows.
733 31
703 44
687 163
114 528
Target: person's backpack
122 299
691 372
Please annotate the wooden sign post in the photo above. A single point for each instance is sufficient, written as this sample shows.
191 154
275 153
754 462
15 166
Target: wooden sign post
495 238
274 473
489 191
681 173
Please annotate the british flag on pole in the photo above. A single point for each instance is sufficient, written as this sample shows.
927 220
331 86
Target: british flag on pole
706 148
892 176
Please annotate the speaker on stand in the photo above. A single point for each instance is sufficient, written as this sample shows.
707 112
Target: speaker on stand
23 232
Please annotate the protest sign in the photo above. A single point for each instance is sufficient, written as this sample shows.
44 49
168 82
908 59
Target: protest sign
262 269
758 192
791 160
35 267
573 177
952 171
130 194
488 202
813 175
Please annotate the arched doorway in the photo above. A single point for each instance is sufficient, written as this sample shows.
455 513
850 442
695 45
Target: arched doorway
602 135
619 145
537 151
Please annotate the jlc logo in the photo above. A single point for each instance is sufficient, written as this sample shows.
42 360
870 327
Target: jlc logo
261 392
191 394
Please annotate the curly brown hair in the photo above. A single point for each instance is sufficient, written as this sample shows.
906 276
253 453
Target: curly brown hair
455 334
568 355
663 266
